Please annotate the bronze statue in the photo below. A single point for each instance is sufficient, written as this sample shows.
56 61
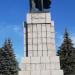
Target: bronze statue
39 4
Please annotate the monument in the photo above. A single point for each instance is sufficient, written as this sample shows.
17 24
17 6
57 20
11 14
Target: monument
39 4
39 42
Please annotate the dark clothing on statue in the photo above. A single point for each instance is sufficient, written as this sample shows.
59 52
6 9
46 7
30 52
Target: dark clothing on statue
45 5
40 4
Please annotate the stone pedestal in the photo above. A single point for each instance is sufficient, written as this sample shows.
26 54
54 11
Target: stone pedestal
39 56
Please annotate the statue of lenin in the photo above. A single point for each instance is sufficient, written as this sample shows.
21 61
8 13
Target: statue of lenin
39 4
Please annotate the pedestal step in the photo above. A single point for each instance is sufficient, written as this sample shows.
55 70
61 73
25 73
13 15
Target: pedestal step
36 67
38 60
40 63
43 72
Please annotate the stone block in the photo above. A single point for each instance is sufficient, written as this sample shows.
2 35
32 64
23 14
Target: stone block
30 53
40 15
51 53
43 66
39 40
34 34
28 19
54 59
30 35
35 47
29 47
39 34
48 40
34 28
39 27
51 46
29 41
48 67
33 67
48 15
45 59
43 28
45 72
29 28
45 47
52 41
48 26
27 67
40 53
48 46
45 53
57 66
35 53
52 29
57 72
35 72
44 34
47 20
35 60
52 66
24 72
41 18
40 47
38 67
26 60
35 41
48 34
52 35
44 40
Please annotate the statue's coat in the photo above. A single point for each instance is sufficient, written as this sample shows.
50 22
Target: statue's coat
40 5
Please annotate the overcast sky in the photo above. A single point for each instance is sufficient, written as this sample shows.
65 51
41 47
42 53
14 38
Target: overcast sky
13 14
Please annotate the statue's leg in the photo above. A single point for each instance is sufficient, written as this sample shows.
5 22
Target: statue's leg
38 4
